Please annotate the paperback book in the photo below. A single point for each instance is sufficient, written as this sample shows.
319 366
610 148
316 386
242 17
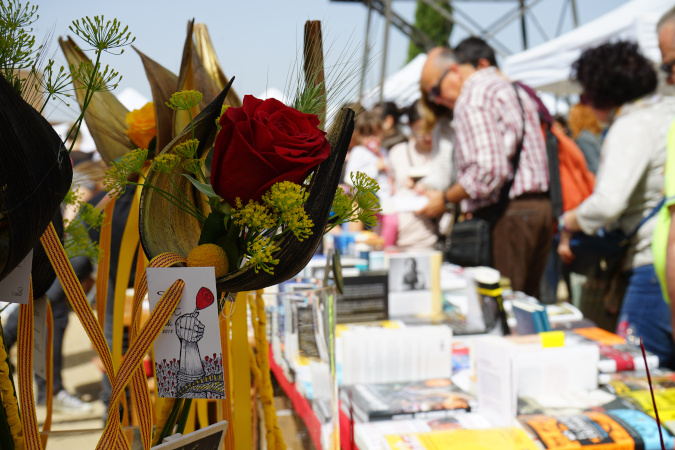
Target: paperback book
430 399
612 430
509 438
371 435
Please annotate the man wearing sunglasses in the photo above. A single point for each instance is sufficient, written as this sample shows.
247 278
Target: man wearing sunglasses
488 123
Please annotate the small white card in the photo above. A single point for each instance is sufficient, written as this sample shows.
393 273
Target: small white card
403 203
14 288
208 438
40 337
188 357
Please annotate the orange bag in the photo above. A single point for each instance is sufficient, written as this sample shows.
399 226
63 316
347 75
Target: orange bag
576 181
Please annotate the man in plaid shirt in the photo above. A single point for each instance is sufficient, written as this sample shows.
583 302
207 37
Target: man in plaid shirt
488 123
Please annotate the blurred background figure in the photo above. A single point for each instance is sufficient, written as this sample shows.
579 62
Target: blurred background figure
368 156
390 115
410 162
587 133
619 83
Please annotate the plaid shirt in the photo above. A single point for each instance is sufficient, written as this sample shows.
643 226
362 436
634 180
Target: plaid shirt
488 124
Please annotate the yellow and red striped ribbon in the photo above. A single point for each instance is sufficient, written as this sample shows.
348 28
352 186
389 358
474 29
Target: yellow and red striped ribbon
112 435
139 384
25 368
49 375
134 356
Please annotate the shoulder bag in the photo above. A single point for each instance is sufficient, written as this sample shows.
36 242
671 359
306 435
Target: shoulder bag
589 250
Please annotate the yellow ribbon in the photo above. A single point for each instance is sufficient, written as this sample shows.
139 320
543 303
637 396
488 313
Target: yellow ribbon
25 368
104 264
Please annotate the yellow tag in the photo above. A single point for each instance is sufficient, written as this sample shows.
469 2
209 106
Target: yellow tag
552 338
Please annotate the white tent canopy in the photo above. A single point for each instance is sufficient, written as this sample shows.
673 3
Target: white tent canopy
547 66
402 88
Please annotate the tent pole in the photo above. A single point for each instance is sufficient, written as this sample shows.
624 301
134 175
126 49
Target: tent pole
523 25
575 16
386 46
364 65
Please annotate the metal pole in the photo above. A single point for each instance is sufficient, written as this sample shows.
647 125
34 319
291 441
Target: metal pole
385 47
366 49
575 16
523 26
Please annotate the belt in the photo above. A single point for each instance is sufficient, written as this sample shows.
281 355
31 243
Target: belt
532 196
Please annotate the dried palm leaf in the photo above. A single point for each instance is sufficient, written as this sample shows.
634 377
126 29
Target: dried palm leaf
105 116
207 54
162 84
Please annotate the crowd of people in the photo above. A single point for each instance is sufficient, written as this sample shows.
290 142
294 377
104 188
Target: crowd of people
474 131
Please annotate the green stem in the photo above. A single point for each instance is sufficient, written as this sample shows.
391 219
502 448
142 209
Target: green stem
173 200
173 183
171 421
88 95
185 412
191 124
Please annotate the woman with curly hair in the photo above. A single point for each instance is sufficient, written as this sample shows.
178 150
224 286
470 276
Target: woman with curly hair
618 84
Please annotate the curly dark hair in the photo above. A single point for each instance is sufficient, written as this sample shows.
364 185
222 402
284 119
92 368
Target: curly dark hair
613 74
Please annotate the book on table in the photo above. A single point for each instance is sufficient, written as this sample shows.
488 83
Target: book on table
371 435
611 430
429 399
616 354
505 438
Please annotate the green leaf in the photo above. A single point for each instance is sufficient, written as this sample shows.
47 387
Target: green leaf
204 188
214 228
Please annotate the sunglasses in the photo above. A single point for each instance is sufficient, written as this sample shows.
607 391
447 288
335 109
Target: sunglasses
435 92
668 67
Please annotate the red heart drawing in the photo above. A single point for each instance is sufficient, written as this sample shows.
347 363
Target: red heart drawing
204 298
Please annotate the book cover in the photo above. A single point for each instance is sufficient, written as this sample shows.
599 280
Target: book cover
623 382
573 403
434 398
615 354
530 317
371 435
664 398
611 430
509 438
414 283
365 298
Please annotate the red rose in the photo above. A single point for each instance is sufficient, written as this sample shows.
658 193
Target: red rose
262 143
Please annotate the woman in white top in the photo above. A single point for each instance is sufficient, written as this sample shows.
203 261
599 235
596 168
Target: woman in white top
410 161
619 84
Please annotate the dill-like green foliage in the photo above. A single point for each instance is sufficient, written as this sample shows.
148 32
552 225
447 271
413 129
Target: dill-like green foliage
77 241
361 205
17 44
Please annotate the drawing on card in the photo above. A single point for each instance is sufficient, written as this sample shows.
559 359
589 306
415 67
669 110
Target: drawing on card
188 360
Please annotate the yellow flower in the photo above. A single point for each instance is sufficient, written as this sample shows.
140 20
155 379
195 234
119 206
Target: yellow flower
115 179
142 125
187 149
184 100
260 251
166 163
253 216
288 200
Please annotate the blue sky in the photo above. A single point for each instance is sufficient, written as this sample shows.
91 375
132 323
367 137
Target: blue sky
257 41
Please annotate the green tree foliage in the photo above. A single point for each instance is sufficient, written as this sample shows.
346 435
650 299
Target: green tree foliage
433 24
